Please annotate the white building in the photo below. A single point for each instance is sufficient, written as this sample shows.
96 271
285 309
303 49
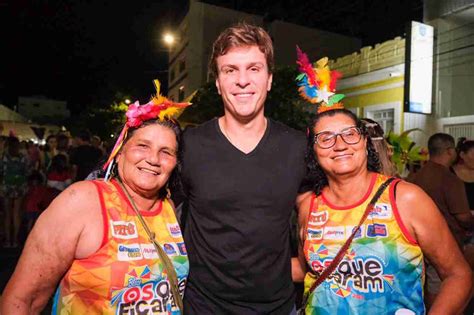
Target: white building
374 77
187 70
23 128
40 108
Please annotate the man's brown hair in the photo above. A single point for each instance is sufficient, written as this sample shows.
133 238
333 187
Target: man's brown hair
238 35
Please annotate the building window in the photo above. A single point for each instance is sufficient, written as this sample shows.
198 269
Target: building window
385 118
182 65
172 76
181 93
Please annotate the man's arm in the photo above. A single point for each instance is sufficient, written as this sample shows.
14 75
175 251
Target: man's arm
458 204
425 222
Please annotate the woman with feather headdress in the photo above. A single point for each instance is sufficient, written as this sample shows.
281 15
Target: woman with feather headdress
364 234
113 245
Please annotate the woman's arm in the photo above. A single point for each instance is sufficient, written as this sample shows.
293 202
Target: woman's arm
298 264
427 225
50 249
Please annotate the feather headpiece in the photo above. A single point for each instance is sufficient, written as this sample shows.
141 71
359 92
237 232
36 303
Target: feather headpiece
159 107
318 85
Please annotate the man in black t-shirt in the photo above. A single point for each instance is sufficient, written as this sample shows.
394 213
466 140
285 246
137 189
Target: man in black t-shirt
241 173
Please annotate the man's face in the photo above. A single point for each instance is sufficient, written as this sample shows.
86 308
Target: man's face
243 82
452 154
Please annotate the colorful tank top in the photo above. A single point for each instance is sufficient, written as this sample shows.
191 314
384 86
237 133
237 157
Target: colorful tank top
382 271
125 276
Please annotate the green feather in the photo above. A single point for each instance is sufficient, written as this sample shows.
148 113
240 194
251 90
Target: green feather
335 98
300 76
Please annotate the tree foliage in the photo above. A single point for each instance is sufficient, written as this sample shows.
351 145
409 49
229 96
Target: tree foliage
101 120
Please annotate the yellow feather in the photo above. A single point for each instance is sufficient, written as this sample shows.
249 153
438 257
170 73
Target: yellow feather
169 112
157 86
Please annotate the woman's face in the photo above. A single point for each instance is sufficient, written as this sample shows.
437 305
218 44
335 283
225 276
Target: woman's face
52 143
342 158
468 158
147 159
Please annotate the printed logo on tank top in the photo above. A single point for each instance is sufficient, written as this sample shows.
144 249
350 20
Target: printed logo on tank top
353 274
377 230
366 275
169 249
129 252
149 251
334 233
124 229
315 234
182 249
359 233
318 218
174 230
382 211
151 297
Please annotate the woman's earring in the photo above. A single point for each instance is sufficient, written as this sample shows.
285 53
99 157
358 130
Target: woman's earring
168 192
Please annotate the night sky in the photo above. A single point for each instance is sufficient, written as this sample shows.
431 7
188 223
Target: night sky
85 52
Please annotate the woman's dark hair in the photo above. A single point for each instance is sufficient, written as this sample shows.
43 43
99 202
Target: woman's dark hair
174 182
13 145
315 176
463 146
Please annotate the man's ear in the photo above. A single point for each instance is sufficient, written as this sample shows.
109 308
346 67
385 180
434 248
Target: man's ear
218 87
269 84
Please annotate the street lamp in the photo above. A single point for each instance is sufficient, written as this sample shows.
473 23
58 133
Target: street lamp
169 39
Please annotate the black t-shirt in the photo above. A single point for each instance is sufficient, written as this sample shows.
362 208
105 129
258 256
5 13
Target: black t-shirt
237 225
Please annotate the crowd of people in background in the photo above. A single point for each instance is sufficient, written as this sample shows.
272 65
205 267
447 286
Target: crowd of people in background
32 174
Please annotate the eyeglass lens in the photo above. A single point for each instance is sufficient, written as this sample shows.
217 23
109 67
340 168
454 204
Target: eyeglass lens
327 139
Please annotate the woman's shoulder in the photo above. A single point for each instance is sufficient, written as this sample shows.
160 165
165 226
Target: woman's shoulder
81 197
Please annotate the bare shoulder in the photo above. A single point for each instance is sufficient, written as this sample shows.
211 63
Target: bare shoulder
54 241
417 210
408 193
73 213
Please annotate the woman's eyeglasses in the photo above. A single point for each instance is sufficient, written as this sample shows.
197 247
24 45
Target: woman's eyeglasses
327 139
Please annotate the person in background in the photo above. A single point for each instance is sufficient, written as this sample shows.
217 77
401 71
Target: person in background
13 186
37 199
84 157
114 246
96 142
34 156
59 174
464 167
49 151
383 148
449 195
63 146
